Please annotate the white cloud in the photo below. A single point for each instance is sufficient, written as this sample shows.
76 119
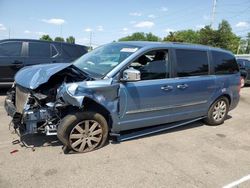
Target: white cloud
242 24
27 31
40 33
163 9
55 21
125 29
199 26
135 14
151 16
82 40
168 30
88 29
2 27
206 17
144 24
100 28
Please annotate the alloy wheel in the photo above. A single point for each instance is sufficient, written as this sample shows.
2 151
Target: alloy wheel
219 110
85 136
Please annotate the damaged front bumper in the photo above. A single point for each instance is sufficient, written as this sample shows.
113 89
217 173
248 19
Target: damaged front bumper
29 121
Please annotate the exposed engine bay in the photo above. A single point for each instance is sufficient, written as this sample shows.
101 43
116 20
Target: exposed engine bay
40 110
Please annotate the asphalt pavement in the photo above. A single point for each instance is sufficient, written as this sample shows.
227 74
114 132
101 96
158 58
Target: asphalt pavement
192 156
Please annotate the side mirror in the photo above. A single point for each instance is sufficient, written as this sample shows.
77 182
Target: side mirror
131 74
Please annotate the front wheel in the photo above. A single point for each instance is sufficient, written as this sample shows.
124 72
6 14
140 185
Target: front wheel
217 112
83 132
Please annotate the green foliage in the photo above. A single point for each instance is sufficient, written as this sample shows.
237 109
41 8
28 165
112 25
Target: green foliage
188 36
223 37
46 37
248 44
70 40
152 37
208 36
140 36
226 38
59 39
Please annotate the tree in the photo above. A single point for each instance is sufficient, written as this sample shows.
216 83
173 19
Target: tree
151 37
59 39
208 36
223 37
140 36
189 36
46 37
226 38
248 44
171 37
70 40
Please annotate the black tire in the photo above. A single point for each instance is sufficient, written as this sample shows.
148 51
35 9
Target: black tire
74 138
210 119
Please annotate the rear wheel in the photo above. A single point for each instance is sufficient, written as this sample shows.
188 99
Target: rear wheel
218 111
83 131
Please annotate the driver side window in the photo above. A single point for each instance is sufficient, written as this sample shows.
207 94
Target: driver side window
152 65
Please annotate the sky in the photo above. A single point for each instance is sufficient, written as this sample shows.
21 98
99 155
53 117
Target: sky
109 20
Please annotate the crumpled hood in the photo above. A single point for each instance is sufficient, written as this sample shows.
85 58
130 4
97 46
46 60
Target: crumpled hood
33 76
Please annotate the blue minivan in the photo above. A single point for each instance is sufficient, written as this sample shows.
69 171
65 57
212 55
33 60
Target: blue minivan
124 90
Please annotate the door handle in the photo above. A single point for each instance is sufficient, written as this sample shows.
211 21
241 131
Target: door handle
182 86
167 88
18 64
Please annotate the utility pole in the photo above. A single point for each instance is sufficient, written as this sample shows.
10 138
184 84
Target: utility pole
9 32
213 13
90 39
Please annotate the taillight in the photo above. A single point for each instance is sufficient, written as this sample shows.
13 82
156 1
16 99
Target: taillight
239 85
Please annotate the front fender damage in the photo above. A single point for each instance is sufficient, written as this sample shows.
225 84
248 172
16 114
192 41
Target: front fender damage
102 92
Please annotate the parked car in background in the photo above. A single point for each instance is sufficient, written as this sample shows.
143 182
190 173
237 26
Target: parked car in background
18 53
124 86
244 65
243 56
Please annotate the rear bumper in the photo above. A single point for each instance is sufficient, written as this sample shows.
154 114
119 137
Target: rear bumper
247 81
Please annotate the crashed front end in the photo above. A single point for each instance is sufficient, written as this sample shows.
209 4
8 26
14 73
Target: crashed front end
38 108
30 112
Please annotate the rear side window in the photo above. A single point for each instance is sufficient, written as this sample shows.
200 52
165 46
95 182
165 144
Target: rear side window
54 51
37 49
11 49
73 51
247 64
191 63
224 63
241 63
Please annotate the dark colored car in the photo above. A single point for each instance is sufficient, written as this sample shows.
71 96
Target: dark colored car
244 65
18 53
121 87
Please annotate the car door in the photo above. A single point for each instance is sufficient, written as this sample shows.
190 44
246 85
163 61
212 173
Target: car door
147 102
38 53
247 64
193 86
11 59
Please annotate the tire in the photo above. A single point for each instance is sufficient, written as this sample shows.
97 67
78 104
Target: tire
242 81
217 112
83 131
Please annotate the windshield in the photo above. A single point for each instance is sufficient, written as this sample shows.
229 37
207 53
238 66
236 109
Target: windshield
103 59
